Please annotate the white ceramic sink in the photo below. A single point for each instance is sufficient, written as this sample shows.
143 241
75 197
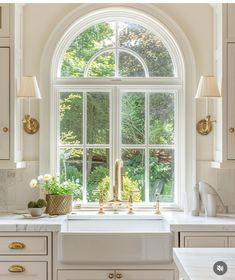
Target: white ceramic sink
115 241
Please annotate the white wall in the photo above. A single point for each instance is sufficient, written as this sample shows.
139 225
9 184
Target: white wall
195 20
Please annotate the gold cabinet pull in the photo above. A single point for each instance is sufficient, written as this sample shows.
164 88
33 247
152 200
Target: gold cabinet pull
5 129
16 268
111 275
231 129
16 245
119 276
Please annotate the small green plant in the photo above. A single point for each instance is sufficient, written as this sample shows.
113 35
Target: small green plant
37 204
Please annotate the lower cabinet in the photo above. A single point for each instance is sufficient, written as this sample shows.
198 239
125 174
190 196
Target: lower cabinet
23 270
115 274
207 239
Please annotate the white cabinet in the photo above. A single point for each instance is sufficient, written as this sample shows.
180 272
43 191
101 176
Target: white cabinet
115 274
25 256
231 23
4 20
205 242
207 239
231 100
5 103
224 146
11 143
23 270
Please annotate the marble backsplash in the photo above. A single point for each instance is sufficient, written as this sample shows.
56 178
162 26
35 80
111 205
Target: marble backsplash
15 192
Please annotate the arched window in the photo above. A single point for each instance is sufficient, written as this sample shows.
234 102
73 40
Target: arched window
117 49
118 80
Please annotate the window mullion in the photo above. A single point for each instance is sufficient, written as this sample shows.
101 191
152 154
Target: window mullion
84 147
147 147
116 50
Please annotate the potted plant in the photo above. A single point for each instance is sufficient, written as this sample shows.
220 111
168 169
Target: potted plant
37 208
59 196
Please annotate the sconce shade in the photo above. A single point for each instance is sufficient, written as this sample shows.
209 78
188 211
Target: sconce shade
29 88
207 87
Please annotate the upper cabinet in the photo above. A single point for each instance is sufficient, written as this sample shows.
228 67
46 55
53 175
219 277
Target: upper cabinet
224 133
231 22
5 103
4 20
11 16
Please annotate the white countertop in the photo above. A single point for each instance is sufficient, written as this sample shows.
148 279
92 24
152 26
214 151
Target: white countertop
197 263
10 222
178 221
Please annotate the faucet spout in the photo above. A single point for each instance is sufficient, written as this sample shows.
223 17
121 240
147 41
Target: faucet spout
118 187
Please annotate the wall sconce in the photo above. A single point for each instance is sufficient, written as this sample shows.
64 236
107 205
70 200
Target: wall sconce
29 90
207 88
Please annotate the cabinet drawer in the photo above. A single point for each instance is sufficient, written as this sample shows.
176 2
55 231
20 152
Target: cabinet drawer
205 241
31 270
23 245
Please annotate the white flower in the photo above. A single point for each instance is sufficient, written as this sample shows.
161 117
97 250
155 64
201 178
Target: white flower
33 183
47 177
40 178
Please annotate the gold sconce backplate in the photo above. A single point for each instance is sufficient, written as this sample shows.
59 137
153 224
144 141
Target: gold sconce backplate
204 126
31 125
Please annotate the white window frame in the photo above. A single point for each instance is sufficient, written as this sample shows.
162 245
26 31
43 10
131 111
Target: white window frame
115 143
179 45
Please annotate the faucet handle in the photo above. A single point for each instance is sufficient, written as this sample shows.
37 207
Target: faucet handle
157 211
130 201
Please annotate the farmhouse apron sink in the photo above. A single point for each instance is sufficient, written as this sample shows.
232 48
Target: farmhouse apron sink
118 241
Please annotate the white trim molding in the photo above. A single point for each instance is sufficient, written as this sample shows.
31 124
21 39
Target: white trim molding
179 48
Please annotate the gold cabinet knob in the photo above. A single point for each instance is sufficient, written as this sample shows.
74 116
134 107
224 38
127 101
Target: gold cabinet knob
5 129
231 130
119 276
16 245
111 275
16 268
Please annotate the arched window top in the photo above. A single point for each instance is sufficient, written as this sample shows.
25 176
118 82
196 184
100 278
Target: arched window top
127 44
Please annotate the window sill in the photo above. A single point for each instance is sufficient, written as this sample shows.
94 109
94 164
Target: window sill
138 208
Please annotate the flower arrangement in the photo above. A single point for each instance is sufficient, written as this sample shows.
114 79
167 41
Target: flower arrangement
52 185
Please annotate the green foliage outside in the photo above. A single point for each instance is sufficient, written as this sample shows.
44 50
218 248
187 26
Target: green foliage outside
161 113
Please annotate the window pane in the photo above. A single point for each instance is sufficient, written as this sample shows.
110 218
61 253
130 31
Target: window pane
161 123
148 46
71 162
130 66
103 66
97 173
71 117
134 178
84 46
133 118
97 118
161 177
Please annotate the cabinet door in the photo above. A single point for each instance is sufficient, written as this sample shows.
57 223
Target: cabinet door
231 101
85 274
4 103
4 20
145 274
231 22
206 241
31 270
